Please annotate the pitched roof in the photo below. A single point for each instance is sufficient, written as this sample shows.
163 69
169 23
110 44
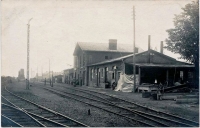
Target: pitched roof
124 57
104 47
116 59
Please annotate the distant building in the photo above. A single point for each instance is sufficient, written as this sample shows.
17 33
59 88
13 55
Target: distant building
89 53
57 79
49 74
68 76
21 76
57 73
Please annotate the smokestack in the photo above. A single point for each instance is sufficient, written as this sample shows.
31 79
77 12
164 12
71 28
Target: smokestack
149 40
161 47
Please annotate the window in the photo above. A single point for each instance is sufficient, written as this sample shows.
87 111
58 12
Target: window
113 67
113 75
106 68
106 57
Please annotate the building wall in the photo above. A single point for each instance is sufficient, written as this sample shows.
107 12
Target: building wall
68 76
82 73
95 57
85 58
97 74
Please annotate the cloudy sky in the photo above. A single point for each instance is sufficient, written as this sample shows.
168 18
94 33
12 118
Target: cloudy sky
57 26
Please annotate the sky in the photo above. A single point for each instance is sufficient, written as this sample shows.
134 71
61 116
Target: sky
57 26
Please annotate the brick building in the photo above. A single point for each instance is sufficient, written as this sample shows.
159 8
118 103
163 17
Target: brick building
89 53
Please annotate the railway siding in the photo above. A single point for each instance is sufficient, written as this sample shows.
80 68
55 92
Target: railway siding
96 118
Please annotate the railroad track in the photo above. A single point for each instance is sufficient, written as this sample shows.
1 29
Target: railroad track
95 104
129 104
7 122
42 116
15 116
127 109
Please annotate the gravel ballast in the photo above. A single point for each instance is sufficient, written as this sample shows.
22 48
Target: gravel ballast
98 118
69 107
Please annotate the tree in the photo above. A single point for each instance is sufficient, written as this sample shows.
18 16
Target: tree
184 38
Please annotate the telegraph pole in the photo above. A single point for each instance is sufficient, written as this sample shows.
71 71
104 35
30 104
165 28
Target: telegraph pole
134 85
52 78
37 74
28 31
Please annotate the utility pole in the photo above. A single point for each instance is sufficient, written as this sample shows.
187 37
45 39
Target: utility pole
37 74
52 78
28 31
134 85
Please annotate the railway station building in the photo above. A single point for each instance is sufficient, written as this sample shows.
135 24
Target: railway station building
86 54
151 66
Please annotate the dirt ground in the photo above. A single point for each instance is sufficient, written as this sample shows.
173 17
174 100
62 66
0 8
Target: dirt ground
99 118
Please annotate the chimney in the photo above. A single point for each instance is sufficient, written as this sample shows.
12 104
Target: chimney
149 39
112 44
161 47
